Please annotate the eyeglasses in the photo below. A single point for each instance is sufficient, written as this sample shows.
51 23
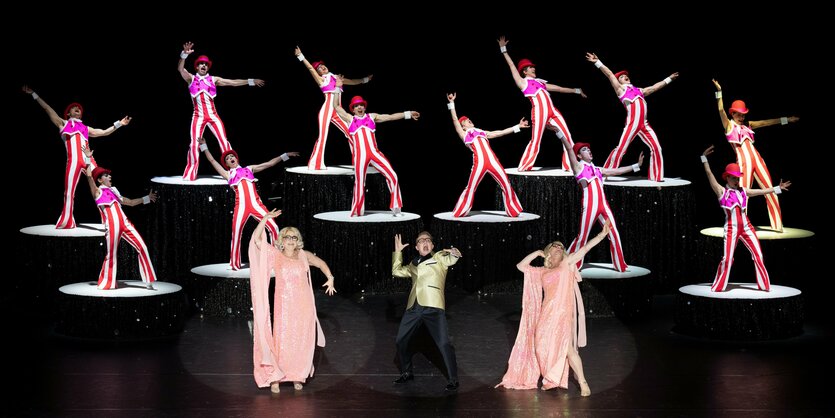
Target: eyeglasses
424 239
291 237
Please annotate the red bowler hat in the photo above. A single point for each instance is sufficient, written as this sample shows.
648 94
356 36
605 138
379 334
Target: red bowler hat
579 145
738 106
203 58
620 73
316 64
732 169
524 63
462 119
226 154
70 106
355 101
98 172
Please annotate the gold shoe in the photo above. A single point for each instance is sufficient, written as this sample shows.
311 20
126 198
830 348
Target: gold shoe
274 387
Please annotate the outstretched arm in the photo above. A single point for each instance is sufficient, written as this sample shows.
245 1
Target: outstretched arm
451 106
409 114
316 77
657 86
523 123
592 58
263 166
558 89
783 186
94 132
726 124
718 190
754 124
355 81
321 265
526 262
239 82
625 169
579 254
219 168
517 78
188 48
53 116
151 197
258 233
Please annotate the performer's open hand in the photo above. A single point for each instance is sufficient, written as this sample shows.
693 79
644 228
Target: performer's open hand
398 243
591 57
607 226
716 83
153 196
455 251
641 159
87 151
330 290
273 214
708 151
784 185
503 41
125 120
293 154
188 47
523 123
451 97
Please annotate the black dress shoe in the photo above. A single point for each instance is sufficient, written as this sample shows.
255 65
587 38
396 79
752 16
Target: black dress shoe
452 386
405 377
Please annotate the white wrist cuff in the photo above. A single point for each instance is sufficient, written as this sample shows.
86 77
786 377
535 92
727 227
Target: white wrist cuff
407 114
668 80
516 129
784 121
35 96
365 80
284 157
777 190
203 147
635 167
560 135
146 200
183 55
301 57
578 91
450 106
598 63
503 49
704 159
718 94
117 124
250 81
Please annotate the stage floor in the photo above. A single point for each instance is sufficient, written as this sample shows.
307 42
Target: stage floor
634 369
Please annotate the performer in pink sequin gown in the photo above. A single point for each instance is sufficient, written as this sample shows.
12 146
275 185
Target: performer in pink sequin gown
551 328
286 354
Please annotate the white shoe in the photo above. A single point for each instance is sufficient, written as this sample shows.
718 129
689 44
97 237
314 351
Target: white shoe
149 286
396 212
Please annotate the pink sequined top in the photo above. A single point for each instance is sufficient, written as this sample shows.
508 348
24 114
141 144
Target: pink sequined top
362 122
589 173
329 84
202 85
534 85
109 196
72 127
472 134
630 94
734 197
739 133
240 173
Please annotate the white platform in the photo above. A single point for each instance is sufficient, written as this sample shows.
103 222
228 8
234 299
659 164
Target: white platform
643 182
81 230
540 172
763 233
199 181
370 216
607 271
481 216
222 270
739 291
126 289
338 170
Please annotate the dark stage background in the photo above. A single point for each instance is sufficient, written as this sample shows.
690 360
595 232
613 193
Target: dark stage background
116 68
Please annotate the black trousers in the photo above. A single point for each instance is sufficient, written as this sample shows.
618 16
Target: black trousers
436 324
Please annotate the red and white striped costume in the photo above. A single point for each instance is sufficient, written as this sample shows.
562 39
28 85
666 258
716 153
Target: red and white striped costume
741 138
595 207
247 203
327 115
203 91
738 227
542 111
636 124
485 161
364 146
117 226
75 135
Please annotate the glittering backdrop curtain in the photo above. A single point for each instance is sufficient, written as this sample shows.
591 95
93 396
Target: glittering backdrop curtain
121 318
739 319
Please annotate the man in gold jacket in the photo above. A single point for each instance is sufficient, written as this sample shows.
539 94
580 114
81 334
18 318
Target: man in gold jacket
426 303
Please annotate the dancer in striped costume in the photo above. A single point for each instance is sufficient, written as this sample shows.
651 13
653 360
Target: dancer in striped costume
326 81
595 206
543 111
362 127
117 226
484 161
247 200
741 137
75 135
634 100
733 198
203 89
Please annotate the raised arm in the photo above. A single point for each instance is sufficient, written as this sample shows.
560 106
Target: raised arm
625 169
785 120
592 58
578 255
316 77
572 159
409 114
258 233
94 132
321 265
657 86
451 106
345 116
397 267
151 197
53 116
188 48
219 168
726 124
718 190
526 262
263 166
523 123
94 189
783 186
517 78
